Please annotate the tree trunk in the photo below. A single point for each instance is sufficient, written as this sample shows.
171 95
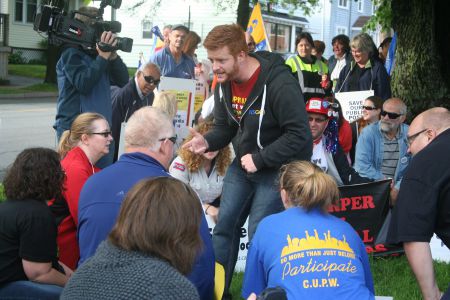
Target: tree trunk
243 13
53 55
421 73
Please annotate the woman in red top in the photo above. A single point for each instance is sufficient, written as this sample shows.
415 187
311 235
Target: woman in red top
80 148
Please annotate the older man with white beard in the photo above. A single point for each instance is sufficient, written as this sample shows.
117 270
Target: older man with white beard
381 151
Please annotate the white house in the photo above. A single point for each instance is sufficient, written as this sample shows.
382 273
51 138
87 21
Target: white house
341 17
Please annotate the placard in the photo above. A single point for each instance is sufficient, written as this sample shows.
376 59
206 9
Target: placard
352 102
184 89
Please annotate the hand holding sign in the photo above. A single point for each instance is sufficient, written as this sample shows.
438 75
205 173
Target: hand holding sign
198 144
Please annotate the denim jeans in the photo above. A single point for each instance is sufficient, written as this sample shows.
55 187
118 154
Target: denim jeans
28 290
254 195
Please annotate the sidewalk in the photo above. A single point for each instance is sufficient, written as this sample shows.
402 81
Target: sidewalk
21 81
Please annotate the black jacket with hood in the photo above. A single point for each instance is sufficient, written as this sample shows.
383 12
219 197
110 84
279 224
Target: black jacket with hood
276 136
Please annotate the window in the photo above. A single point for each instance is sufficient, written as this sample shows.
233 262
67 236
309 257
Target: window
279 36
25 10
147 29
341 30
343 3
360 6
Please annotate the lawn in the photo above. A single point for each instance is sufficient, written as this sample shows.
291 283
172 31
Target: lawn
38 71
35 71
392 277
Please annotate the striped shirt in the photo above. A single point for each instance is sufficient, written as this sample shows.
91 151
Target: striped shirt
391 156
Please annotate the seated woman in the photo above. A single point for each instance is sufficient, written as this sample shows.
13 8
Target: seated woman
371 111
29 267
152 245
203 172
304 250
80 148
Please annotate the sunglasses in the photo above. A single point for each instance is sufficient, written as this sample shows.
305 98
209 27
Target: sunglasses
391 115
369 107
151 80
104 134
173 139
411 138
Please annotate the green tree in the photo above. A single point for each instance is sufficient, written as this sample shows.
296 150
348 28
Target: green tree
422 68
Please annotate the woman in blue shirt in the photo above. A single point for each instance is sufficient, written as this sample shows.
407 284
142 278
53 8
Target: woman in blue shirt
304 250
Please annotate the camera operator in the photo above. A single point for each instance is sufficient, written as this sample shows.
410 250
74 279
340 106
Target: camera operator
85 78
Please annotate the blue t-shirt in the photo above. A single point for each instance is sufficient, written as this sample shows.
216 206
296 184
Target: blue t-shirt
312 255
170 68
99 205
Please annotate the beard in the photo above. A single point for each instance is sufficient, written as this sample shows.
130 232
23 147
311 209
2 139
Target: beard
387 127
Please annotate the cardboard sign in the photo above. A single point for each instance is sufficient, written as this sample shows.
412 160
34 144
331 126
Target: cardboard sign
184 89
352 102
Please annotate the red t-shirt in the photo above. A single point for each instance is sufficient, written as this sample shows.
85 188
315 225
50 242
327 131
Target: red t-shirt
241 91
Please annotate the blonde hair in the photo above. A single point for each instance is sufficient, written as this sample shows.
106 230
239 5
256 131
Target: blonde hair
308 186
81 125
193 161
167 102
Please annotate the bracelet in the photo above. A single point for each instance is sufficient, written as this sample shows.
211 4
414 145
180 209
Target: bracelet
206 210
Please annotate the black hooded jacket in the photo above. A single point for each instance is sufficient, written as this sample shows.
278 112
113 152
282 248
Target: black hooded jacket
277 137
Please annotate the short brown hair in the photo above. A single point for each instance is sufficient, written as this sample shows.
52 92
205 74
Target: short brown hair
191 42
36 173
81 125
319 46
231 36
308 186
161 217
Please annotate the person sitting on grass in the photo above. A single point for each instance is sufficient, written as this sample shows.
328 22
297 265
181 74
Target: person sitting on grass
29 267
151 248
304 250
203 172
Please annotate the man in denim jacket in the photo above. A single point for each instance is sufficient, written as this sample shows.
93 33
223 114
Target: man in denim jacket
381 151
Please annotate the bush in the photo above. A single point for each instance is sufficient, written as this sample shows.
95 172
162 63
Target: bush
41 61
16 58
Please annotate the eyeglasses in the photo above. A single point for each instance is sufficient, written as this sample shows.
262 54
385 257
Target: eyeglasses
151 80
317 120
104 134
173 139
391 115
411 138
369 107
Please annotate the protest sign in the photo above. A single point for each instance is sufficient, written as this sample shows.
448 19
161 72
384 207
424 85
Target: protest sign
352 102
365 207
184 89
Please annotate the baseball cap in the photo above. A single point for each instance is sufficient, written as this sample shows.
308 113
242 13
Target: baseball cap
318 106
180 27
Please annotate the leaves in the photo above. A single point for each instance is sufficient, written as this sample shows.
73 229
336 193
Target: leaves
382 16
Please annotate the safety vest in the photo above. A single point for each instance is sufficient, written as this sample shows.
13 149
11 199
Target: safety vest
319 68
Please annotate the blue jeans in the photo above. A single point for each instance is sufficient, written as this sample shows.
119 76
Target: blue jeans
28 290
244 195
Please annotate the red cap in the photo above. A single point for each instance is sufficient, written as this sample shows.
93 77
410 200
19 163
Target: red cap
318 106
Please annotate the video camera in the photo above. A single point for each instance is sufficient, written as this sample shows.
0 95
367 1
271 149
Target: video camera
66 29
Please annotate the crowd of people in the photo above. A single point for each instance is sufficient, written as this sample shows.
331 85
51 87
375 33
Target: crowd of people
273 148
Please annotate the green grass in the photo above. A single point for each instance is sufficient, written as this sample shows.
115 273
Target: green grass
35 71
2 194
392 276
40 87
38 71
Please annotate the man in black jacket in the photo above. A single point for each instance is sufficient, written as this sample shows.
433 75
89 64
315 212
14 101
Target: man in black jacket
138 92
258 103
327 153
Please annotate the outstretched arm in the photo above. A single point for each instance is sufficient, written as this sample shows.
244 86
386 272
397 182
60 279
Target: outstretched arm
421 262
